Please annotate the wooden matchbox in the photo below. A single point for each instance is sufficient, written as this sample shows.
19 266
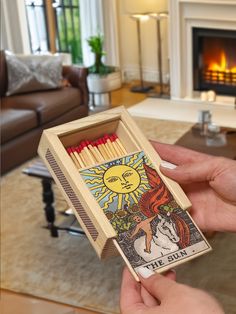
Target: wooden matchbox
124 204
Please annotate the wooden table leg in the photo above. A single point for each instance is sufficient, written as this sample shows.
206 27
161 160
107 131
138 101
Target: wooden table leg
48 199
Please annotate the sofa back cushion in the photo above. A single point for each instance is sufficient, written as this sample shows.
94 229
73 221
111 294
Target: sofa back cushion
29 73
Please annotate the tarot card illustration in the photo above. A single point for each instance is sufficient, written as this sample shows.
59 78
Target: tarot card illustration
152 230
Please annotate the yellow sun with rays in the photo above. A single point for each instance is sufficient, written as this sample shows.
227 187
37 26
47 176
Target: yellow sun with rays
120 182
121 179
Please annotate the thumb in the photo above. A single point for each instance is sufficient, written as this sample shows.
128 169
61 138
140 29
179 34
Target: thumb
156 284
192 172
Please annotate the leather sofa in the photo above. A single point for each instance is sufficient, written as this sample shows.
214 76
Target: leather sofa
24 116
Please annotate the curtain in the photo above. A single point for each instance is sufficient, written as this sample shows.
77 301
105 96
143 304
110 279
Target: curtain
100 16
14 26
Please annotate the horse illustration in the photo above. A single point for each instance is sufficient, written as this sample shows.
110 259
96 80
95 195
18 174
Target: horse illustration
164 241
171 234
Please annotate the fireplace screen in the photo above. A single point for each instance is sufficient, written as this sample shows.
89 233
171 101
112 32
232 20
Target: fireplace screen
214 60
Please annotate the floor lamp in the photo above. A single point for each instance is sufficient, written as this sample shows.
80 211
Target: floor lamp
158 17
140 88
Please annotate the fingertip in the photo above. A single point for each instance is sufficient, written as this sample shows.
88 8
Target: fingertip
171 274
157 284
145 272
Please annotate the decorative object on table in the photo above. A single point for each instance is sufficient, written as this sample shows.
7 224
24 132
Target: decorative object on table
128 206
212 133
142 88
158 17
102 78
204 119
215 137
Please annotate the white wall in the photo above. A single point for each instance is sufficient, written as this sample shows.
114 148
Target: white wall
129 43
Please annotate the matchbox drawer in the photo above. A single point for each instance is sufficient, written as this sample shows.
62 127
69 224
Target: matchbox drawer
91 189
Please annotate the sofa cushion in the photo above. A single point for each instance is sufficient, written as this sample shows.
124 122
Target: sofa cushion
28 73
16 122
48 104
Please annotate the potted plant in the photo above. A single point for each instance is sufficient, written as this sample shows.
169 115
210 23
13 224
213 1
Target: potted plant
102 78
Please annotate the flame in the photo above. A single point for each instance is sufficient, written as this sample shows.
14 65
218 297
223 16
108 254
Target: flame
222 66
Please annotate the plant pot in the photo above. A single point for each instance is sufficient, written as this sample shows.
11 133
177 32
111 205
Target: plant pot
100 84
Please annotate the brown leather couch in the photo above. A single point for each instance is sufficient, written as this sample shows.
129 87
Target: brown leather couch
24 116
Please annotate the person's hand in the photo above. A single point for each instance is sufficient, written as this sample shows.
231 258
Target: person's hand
158 294
209 182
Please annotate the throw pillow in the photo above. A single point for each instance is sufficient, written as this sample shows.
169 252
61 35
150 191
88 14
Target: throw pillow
28 73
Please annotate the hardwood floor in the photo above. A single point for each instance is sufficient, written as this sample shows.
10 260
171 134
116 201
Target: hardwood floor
127 98
13 303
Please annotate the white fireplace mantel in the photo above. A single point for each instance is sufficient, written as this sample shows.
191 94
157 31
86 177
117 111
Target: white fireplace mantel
184 15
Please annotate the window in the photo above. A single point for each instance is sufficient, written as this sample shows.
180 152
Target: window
54 25
68 28
36 19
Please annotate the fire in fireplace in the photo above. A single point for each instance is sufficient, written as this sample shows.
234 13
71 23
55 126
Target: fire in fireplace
214 60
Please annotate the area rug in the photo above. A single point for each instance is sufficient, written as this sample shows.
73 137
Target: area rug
67 270
165 109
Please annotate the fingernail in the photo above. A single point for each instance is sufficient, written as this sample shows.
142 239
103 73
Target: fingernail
145 272
168 165
170 271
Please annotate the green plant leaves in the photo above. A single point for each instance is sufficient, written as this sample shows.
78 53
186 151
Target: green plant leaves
96 45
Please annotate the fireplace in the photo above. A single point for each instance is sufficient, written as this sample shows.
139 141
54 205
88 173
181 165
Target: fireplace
214 60
217 18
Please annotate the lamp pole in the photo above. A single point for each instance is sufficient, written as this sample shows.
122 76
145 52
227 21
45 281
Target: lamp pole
140 88
159 54
140 52
158 17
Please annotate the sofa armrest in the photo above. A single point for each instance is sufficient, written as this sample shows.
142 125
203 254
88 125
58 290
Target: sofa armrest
77 77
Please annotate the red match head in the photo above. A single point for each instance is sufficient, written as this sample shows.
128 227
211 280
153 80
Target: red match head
103 140
78 149
69 151
83 144
112 138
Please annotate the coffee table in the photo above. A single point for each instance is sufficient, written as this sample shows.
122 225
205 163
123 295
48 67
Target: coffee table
193 140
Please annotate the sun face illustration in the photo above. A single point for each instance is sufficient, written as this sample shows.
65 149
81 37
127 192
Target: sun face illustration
121 179
118 183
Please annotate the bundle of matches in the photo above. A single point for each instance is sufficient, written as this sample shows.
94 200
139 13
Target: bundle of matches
89 153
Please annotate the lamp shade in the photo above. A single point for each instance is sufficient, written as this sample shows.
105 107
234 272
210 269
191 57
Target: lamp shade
144 6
